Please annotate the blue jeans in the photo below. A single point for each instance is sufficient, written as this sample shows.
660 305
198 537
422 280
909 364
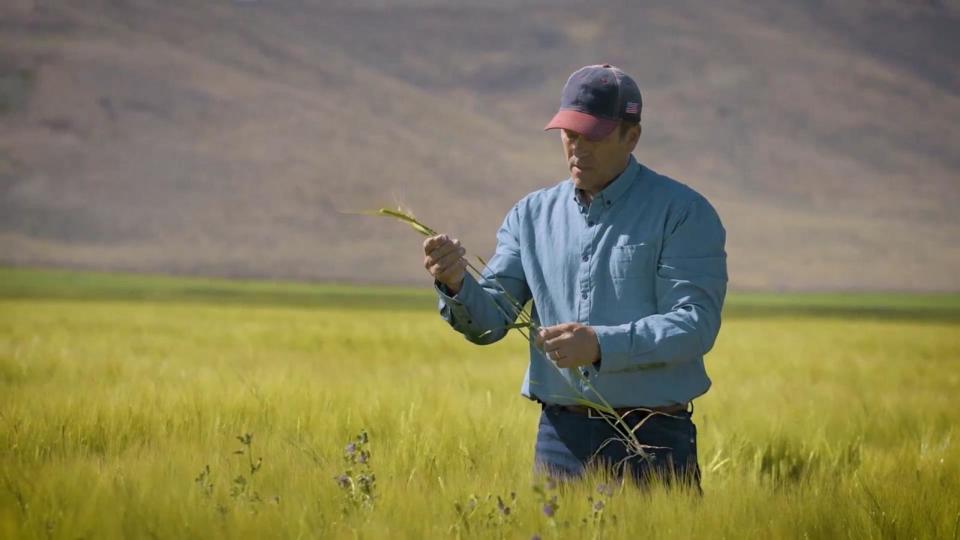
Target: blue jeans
568 443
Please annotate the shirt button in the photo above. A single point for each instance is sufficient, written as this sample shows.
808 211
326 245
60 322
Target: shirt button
589 224
584 296
586 258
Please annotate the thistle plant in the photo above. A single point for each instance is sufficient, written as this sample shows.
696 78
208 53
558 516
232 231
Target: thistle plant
547 500
627 435
491 512
598 517
357 482
464 512
242 485
204 481
242 489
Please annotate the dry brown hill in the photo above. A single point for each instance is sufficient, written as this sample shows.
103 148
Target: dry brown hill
219 137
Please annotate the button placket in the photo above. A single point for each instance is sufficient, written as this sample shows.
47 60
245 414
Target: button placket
588 246
587 241
583 274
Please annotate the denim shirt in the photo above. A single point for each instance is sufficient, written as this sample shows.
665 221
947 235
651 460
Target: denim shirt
643 264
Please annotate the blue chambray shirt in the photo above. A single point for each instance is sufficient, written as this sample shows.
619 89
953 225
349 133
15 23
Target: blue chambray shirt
644 265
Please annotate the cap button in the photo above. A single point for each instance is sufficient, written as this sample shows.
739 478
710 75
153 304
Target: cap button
606 65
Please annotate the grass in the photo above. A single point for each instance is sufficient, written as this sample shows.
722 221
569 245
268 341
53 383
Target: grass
830 416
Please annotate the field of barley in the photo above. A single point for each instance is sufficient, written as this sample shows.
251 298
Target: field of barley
156 407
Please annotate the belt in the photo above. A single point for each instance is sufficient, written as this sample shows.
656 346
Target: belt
622 412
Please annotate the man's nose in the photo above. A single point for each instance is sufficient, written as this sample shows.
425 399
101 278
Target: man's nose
576 141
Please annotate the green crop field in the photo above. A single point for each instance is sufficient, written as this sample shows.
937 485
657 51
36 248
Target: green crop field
122 399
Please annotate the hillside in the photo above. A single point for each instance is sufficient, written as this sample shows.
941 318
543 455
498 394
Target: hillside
222 138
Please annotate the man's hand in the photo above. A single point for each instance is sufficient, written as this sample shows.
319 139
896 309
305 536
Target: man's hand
443 258
569 344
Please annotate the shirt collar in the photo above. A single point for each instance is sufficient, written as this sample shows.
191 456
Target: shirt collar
615 189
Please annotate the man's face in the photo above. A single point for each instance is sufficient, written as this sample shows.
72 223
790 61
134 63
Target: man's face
593 164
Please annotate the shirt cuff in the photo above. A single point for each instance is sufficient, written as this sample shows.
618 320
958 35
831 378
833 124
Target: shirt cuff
460 315
623 348
614 348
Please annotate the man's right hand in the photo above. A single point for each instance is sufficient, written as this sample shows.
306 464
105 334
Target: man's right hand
443 258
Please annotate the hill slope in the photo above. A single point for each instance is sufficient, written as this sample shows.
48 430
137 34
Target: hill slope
210 137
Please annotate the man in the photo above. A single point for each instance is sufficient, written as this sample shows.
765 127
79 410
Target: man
627 272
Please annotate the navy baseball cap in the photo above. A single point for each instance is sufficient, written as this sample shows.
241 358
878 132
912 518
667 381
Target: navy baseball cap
595 99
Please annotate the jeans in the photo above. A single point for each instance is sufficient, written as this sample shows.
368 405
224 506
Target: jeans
569 443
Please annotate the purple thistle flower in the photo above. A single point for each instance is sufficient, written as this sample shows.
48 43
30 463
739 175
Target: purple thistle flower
598 506
342 480
351 449
363 458
605 489
535 537
550 484
549 510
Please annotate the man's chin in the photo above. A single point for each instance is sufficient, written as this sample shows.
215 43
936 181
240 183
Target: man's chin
580 182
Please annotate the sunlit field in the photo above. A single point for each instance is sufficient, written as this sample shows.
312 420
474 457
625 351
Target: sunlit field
138 407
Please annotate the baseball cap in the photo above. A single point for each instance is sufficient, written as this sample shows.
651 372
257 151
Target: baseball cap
595 99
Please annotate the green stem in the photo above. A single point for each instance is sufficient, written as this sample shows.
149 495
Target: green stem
604 408
521 312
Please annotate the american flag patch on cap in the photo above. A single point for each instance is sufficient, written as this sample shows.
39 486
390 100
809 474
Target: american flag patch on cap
632 107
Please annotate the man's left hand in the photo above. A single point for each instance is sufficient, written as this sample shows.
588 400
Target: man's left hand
569 344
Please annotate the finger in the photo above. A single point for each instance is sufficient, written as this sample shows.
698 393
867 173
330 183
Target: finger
437 256
549 332
432 242
445 248
551 346
566 362
430 262
538 339
438 270
454 268
453 275
451 258
454 271
555 343
441 250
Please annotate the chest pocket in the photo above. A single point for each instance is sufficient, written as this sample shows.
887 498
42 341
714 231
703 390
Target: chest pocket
631 261
632 272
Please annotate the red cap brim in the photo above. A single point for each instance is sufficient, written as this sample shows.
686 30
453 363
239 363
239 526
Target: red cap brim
591 127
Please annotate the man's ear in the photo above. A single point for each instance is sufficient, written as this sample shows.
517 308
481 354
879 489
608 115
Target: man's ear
635 136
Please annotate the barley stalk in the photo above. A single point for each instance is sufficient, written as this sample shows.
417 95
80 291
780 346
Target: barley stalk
606 410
